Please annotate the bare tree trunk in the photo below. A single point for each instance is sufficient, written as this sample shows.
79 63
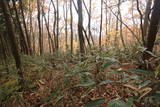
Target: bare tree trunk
49 41
57 30
146 18
80 28
54 24
89 12
89 21
23 43
132 32
100 32
116 37
120 17
106 19
71 26
47 27
12 38
31 25
141 23
65 14
39 26
153 29
25 27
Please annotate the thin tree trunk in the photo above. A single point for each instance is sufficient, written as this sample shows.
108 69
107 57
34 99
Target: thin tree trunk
116 37
120 17
89 19
141 23
124 24
71 26
47 26
66 24
54 24
25 27
39 26
49 41
100 32
57 30
146 18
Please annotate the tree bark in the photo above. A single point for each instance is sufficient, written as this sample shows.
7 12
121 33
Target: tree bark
39 27
141 23
146 18
23 43
25 27
12 38
100 32
57 29
120 17
71 26
80 28
153 29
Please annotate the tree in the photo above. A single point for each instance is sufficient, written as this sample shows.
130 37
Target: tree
23 43
39 26
71 26
12 38
120 17
141 22
25 27
153 28
80 28
65 14
89 12
57 29
146 18
100 32
54 24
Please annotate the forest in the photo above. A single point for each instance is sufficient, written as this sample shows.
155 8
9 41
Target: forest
79 53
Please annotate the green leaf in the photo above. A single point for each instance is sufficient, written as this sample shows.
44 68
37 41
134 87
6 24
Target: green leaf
143 84
105 82
131 100
117 72
87 84
58 100
118 103
136 77
108 64
142 72
95 103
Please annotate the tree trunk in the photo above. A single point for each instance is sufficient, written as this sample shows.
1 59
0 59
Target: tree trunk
66 24
47 27
80 28
100 32
54 24
23 43
25 27
120 17
146 18
153 29
141 23
71 26
39 26
57 30
12 38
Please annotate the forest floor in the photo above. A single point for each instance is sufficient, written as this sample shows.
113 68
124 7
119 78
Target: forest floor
67 82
